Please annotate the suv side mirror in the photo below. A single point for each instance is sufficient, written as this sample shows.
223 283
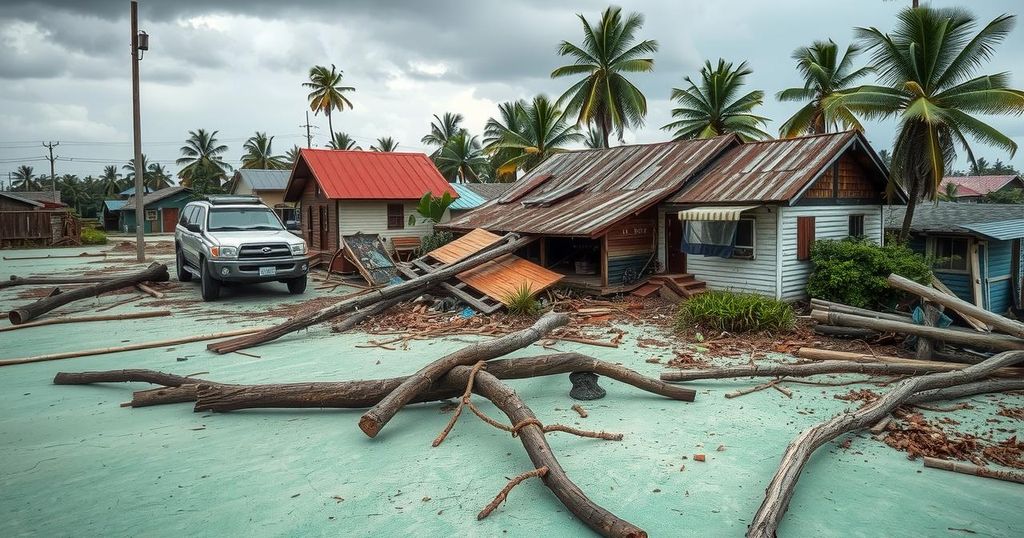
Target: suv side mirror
194 228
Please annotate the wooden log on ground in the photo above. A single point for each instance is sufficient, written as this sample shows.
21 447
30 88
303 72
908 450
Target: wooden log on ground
373 420
356 318
987 386
361 394
510 243
53 257
150 291
971 469
935 366
129 347
829 306
926 346
156 272
997 322
532 437
84 319
780 490
804 370
844 332
48 281
983 341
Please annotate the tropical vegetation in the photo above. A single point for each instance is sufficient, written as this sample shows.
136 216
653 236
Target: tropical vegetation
326 94
530 133
24 179
604 97
462 159
442 130
712 105
735 312
385 144
204 168
853 271
341 140
259 153
825 73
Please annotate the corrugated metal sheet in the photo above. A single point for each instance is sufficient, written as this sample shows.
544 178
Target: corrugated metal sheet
154 197
468 199
994 221
1003 230
715 213
367 175
614 183
113 205
264 180
21 199
977 185
770 171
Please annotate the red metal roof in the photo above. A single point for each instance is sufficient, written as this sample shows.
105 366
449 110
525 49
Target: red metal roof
977 185
772 170
367 175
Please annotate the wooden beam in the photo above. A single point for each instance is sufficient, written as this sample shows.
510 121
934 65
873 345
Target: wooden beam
962 307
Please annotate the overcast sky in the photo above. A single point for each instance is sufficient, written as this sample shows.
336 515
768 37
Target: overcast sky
236 66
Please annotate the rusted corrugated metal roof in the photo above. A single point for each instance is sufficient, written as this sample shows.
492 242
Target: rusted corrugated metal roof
769 171
367 175
611 183
978 185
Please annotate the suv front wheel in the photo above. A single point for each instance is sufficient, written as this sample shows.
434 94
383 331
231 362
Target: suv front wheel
297 285
209 286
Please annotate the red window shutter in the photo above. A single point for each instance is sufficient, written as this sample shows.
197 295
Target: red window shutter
804 237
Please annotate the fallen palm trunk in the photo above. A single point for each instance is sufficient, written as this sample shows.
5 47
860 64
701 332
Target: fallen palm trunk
510 243
46 281
804 370
780 489
356 394
964 308
154 273
983 341
829 306
129 347
373 420
971 469
83 319
936 366
988 386
532 437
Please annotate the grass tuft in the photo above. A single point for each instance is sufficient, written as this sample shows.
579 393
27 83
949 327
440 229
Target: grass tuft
521 302
734 312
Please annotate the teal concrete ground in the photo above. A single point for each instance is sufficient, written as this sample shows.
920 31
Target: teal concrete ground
74 463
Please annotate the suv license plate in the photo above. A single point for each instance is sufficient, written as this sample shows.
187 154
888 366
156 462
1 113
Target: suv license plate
268 271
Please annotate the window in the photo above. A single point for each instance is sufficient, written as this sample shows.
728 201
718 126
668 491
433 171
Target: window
242 219
856 228
744 245
950 253
184 215
804 237
396 216
150 214
197 217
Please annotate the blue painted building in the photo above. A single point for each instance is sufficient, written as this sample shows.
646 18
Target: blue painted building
474 195
976 247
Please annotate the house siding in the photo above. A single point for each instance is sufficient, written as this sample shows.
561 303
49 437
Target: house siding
998 278
830 222
628 247
371 217
311 226
754 276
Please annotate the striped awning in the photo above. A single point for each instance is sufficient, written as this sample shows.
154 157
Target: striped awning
715 213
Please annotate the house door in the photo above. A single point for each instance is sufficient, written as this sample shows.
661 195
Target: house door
170 219
309 226
324 228
675 258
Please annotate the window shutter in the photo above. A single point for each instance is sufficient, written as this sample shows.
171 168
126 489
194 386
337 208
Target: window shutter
804 237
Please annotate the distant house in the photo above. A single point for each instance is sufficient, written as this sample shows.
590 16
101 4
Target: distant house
269 186
977 248
347 192
32 218
974 188
162 209
16 201
130 191
49 199
474 195
733 215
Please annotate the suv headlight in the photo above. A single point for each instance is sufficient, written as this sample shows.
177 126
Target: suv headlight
299 249
224 252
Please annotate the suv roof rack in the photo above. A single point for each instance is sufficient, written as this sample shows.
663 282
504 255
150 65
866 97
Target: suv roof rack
232 199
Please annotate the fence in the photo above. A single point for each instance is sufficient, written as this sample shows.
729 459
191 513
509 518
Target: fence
48 227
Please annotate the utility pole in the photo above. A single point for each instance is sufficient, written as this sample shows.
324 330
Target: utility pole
53 175
140 191
309 135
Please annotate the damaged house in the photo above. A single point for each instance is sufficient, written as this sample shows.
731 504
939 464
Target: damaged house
715 212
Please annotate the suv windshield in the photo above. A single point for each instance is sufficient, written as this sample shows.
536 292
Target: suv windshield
239 218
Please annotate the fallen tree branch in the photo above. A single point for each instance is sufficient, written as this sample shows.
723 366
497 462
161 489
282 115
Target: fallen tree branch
967 468
358 394
962 307
150 291
154 273
934 366
509 243
503 494
376 417
462 403
46 281
983 341
357 317
780 489
83 319
804 370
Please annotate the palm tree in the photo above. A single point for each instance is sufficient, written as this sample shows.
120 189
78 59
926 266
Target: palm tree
203 160
156 177
542 130
72 191
508 121
949 192
342 140
385 144
926 73
291 156
130 168
592 138
259 153
712 107
24 179
824 74
110 181
462 159
443 129
604 97
326 93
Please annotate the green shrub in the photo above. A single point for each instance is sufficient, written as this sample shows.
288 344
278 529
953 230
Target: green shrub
91 236
854 271
435 240
734 312
521 302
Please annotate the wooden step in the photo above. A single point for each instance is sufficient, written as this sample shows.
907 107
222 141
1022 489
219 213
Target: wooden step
684 285
646 290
